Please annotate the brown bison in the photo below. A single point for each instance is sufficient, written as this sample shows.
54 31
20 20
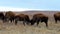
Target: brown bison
57 16
22 17
10 16
39 17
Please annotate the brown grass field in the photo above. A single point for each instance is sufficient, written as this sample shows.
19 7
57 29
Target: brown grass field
11 28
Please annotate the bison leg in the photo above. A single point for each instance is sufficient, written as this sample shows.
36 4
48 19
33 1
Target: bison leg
46 23
4 20
11 20
32 23
23 23
15 22
55 20
37 23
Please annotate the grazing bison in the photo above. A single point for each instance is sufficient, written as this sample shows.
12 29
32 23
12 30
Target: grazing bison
57 16
10 16
39 17
22 17
1 16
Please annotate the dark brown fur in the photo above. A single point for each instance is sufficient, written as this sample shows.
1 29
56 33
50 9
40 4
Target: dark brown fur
57 16
22 17
10 15
39 17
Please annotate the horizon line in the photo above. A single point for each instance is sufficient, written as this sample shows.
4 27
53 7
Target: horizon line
24 9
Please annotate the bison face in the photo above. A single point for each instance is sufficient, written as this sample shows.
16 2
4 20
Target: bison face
32 21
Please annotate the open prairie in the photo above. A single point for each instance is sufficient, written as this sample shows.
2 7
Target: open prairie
11 28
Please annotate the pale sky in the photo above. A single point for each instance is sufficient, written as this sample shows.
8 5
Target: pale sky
29 4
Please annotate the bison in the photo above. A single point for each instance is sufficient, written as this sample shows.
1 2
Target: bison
22 17
57 17
10 16
39 18
1 16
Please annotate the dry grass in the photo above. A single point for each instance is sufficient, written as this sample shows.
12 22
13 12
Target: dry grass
10 28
